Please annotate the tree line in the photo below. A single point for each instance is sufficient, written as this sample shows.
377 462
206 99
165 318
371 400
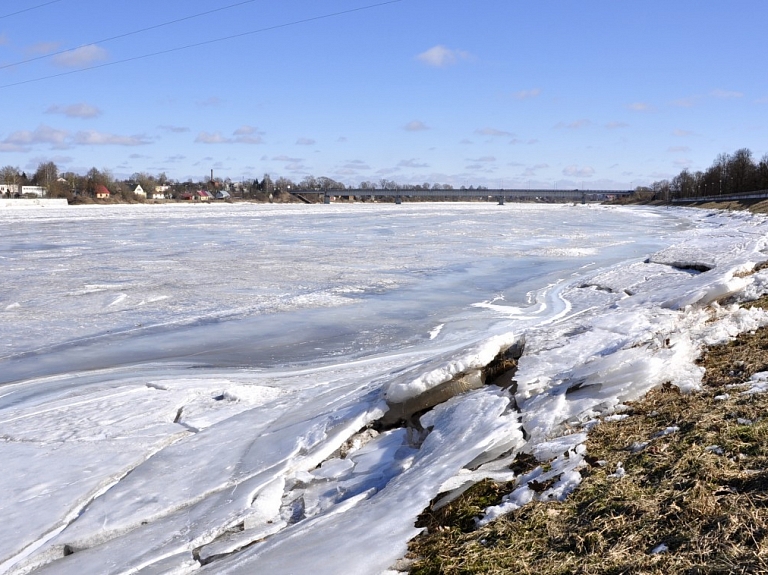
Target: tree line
71 185
729 174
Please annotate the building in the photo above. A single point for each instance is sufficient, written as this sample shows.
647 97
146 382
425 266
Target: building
37 191
9 190
223 195
161 193
198 196
139 192
102 193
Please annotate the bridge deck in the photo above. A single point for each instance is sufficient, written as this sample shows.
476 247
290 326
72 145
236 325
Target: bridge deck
491 194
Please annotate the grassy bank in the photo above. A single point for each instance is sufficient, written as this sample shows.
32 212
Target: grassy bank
754 206
692 496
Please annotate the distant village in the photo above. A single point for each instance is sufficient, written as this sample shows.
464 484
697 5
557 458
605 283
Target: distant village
100 186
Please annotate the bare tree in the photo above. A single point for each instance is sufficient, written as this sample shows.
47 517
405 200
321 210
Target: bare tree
46 174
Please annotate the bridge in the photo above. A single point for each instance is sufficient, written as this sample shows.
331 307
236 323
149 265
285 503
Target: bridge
499 195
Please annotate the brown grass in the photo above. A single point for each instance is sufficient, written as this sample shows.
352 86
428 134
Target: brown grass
702 491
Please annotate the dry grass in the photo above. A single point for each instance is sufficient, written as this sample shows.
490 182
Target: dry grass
701 491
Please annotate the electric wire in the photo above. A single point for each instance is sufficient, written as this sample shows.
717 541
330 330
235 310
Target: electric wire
29 9
126 34
204 43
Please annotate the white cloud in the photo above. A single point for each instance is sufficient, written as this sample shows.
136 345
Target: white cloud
640 107
481 168
81 110
440 56
682 133
492 132
79 57
679 149
575 125
214 138
579 171
531 171
356 165
412 163
615 125
416 126
243 135
296 168
484 159
305 142
94 138
254 140
41 135
726 94
287 159
246 130
174 129
527 94
42 48
689 102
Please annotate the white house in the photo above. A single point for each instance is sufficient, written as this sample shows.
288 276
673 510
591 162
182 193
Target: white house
223 195
139 191
161 192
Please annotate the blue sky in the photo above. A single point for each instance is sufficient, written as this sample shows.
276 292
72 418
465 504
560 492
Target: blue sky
565 94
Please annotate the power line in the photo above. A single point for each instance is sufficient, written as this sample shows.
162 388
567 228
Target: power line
28 9
126 34
205 43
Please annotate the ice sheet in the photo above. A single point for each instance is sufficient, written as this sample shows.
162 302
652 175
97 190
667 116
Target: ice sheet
199 389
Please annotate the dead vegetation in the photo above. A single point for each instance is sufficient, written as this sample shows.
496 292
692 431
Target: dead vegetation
693 500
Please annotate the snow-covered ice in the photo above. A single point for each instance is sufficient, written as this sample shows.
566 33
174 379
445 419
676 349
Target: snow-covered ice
203 388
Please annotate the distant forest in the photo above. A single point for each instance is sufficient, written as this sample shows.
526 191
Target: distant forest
736 173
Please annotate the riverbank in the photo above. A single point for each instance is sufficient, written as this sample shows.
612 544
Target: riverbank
754 206
675 484
672 483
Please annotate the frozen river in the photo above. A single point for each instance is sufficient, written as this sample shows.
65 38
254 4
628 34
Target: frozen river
202 388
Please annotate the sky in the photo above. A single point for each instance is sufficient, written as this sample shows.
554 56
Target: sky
513 93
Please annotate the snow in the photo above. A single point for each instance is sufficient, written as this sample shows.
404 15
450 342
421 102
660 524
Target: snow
202 389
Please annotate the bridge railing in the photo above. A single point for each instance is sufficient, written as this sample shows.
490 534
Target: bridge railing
489 193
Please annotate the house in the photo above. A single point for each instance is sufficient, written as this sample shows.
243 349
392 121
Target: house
139 192
223 195
161 193
102 193
198 196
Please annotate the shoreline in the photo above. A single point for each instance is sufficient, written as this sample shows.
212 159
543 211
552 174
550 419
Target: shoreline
673 482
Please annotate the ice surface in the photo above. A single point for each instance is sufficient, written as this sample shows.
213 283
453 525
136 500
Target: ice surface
201 389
